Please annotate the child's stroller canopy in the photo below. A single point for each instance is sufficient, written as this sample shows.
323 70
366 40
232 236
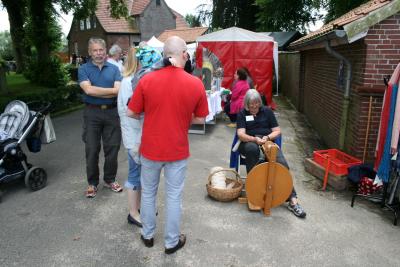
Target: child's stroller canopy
13 120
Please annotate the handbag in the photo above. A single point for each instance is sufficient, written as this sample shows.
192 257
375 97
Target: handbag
48 135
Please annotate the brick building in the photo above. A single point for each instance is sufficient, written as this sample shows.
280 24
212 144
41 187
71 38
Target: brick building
147 18
189 34
364 45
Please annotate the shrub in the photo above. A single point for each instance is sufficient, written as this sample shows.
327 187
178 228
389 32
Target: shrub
50 74
72 71
61 98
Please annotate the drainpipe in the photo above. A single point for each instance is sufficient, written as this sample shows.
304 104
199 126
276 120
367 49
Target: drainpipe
346 96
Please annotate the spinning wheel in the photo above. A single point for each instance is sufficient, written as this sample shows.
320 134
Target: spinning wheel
268 184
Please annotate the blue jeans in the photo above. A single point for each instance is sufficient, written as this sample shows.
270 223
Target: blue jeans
133 181
174 172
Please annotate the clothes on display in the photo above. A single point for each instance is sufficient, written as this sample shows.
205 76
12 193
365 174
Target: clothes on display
214 105
386 165
388 120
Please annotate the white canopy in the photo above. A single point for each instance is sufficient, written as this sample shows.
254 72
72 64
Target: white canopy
234 34
155 43
191 48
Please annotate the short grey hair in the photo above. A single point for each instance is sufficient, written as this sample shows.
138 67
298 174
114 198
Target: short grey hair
95 40
115 49
251 96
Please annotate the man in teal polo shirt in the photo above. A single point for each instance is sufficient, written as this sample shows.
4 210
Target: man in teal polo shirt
100 82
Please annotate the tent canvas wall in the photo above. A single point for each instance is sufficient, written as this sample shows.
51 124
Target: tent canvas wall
155 43
235 48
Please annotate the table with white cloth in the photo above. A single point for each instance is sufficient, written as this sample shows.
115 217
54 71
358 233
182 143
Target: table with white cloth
214 108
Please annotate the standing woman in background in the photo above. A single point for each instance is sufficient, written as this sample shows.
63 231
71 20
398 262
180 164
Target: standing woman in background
131 133
239 89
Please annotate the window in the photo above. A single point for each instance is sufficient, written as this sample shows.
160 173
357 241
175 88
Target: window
82 25
88 23
94 22
158 2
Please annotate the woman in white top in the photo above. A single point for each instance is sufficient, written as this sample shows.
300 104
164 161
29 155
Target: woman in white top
149 60
131 134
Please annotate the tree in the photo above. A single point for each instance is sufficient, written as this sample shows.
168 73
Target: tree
17 11
337 8
41 30
239 13
3 80
193 20
6 50
204 13
288 15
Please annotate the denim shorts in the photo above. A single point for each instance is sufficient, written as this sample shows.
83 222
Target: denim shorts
133 181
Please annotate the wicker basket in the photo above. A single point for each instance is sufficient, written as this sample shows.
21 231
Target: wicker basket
225 195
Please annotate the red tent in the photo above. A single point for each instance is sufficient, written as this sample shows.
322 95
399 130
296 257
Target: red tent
235 48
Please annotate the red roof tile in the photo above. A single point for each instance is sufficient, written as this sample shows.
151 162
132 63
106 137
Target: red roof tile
139 6
188 34
180 20
122 25
338 23
109 24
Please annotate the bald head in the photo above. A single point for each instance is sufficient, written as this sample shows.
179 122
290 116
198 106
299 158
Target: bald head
175 47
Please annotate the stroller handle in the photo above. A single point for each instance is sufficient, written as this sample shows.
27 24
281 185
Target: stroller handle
42 107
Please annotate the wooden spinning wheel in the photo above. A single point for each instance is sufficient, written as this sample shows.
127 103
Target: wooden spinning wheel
268 184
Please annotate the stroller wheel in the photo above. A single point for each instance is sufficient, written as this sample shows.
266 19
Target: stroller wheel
36 178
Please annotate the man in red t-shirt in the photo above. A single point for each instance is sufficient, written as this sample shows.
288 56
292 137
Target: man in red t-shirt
171 100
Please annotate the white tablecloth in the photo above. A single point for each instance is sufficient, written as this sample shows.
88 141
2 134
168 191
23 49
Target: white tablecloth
214 105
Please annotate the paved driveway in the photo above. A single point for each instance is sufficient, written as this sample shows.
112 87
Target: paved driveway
58 226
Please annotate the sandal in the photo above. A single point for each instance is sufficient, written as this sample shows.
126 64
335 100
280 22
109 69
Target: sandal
114 186
91 191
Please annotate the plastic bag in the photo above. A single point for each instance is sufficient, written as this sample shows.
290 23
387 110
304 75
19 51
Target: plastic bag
48 135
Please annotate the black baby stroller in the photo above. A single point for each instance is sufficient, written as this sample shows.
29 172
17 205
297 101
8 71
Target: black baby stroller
19 123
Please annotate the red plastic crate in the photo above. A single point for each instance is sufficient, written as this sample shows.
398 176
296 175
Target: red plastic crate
339 161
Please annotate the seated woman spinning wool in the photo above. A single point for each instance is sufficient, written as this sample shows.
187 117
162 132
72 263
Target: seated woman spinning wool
256 124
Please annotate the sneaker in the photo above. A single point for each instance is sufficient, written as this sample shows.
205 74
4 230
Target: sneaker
297 210
231 125
114 186
91 191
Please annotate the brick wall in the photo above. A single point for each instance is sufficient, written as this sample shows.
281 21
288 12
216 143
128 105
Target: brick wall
323 99
155 19
383 51
382 56
81 37
289 65
372 58
123 40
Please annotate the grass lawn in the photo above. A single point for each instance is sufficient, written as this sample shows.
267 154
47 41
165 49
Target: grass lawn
63 99
19 88
17 85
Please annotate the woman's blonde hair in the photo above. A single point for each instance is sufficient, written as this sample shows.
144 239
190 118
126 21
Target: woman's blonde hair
130 65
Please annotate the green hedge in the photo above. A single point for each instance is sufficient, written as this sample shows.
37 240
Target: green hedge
61 98
72 71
